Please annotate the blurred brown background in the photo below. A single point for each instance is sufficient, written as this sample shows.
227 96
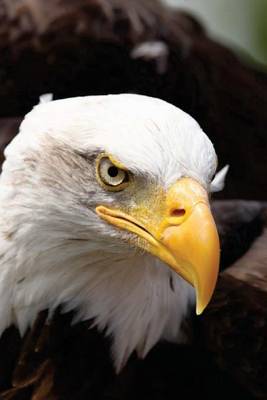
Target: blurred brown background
97 47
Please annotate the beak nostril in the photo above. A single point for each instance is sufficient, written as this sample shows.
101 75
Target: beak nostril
178 212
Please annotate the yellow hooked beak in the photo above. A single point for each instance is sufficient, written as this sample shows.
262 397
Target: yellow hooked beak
182 233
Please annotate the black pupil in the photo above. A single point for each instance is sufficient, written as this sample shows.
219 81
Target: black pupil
113 171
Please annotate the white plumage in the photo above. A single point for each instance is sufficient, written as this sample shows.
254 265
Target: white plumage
54 249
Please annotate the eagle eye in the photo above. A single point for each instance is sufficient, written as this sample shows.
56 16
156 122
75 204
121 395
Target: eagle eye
111 176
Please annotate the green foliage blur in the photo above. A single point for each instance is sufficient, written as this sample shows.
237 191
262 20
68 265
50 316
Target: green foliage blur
240 24
261 29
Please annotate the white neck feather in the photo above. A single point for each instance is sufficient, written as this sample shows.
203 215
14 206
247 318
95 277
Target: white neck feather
136 300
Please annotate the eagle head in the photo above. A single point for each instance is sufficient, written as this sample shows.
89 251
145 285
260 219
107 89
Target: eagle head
104 210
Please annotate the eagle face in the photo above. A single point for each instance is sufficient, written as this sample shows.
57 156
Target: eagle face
104 204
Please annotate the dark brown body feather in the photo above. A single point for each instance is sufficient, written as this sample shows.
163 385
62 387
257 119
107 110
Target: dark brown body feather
235 323
63 362
56 360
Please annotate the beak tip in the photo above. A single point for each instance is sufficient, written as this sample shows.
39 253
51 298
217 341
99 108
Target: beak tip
201 306
199 309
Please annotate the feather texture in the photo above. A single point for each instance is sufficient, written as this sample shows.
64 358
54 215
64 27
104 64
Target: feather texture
55 250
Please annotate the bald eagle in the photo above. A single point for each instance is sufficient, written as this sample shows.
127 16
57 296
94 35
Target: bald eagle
104 204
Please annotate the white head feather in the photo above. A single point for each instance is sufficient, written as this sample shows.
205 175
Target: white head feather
55 250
